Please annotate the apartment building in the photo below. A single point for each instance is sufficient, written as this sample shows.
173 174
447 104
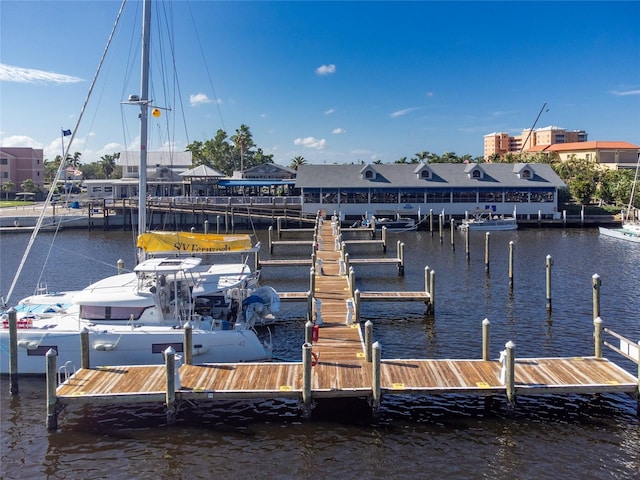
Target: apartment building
18 164
501 143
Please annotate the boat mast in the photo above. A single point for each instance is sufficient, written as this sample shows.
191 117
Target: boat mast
144 108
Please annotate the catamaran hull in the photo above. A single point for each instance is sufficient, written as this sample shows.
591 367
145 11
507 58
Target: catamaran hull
133 347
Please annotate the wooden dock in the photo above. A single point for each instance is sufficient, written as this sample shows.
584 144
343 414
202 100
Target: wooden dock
348 377
343 361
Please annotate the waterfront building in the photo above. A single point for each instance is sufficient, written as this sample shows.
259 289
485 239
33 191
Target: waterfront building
612 155
18 164
531 190
501 143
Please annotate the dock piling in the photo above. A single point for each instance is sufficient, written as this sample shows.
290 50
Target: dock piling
85 360
306 377
596 282
511 373
549 264
597 337
52 383
487 236
13 351
376 377
356 300
368 340
486 339
511 248
170 394
188 344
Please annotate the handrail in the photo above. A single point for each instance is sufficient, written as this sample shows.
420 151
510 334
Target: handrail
627 347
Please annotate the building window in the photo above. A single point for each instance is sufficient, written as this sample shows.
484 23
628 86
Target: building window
4 161
439 197
490 197
416 196
368 174
526 173
132 169
476 174
541 197
465 196
517 197
329 195
108 189
425 174
311 197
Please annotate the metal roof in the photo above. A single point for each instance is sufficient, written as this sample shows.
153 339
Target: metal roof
441 175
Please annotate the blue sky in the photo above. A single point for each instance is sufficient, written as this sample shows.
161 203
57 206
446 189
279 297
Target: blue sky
333 82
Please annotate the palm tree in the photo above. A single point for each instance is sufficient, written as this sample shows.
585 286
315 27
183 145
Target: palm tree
422 157
296 162
108 164
242 141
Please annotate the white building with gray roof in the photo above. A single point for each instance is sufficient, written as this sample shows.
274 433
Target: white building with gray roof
529 189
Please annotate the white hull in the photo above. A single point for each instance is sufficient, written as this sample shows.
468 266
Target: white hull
630 233
110 345
490 225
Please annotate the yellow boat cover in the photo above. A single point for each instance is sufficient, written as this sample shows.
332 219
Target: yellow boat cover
187 242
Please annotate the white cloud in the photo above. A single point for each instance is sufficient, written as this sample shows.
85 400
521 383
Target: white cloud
338 131
9 73
400 113
196 99
20 141
326 69
618 93
329 112
311 142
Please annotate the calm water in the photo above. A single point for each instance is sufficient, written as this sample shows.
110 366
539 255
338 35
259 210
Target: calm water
430 437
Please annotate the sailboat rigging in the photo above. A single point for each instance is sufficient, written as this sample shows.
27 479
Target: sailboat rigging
133 317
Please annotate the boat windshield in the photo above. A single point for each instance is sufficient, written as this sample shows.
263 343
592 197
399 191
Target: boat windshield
98 312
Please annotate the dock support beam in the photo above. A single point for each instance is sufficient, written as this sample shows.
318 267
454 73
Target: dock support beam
52 383
356 301
375 388
13 351
400 258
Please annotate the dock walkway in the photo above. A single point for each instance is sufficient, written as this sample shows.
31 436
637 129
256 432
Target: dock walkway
343 361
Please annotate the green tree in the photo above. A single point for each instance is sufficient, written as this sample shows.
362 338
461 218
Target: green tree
422 157
29 186
50 168
108 164
7 187
228 154
296 162
402 160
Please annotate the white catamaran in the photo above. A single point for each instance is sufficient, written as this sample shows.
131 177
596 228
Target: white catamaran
133 317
